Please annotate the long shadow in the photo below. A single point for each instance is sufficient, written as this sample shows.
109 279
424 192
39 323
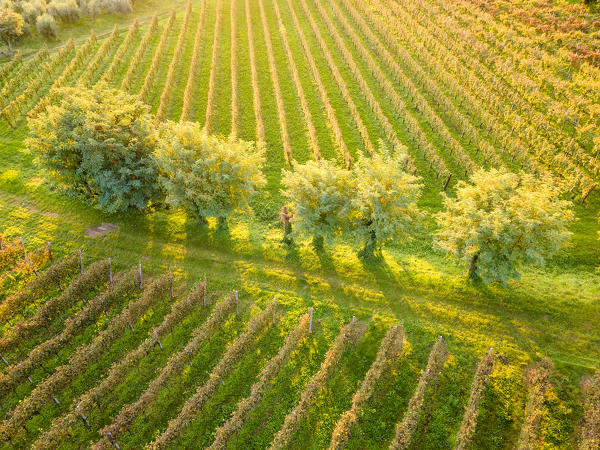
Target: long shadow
382 273
327 264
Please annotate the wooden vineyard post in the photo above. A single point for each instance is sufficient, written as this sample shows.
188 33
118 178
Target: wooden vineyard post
587 193
27 259
447 182
236 303
187 351
140 272
310 322
157 338
83 416
204 293
274 304
171 282
130 325
50 257
112 439
109 269
80 261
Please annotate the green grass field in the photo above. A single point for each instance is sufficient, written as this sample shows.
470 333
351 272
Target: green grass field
553 311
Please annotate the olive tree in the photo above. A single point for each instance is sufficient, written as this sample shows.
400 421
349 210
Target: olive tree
321 195
385 200
501 221
11 26
206 175
101 142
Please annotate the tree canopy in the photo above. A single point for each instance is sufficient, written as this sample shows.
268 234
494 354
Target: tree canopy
11 26
321 196
375 200
386 199
102 142
502 221
206 175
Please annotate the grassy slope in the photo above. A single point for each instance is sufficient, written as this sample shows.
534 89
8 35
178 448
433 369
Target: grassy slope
411 283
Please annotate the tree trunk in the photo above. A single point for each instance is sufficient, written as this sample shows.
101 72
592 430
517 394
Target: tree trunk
473 267
318 242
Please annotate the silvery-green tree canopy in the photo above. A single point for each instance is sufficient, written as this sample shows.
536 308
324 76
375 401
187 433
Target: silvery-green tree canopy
101 141
502 221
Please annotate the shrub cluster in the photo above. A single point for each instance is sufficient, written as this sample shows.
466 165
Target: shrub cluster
24 16
103 143
100 142
376 199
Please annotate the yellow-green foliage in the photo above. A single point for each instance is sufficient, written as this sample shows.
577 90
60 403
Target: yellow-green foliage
386 198
376 199
321 195
502 221
205 175
11 26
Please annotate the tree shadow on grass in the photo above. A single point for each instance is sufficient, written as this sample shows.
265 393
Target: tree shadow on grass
327 263
384 275
292 254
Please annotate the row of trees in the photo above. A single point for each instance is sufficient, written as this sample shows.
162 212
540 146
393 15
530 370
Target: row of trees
105 144
19 18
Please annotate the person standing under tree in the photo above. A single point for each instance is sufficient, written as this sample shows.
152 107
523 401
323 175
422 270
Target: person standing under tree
285 217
